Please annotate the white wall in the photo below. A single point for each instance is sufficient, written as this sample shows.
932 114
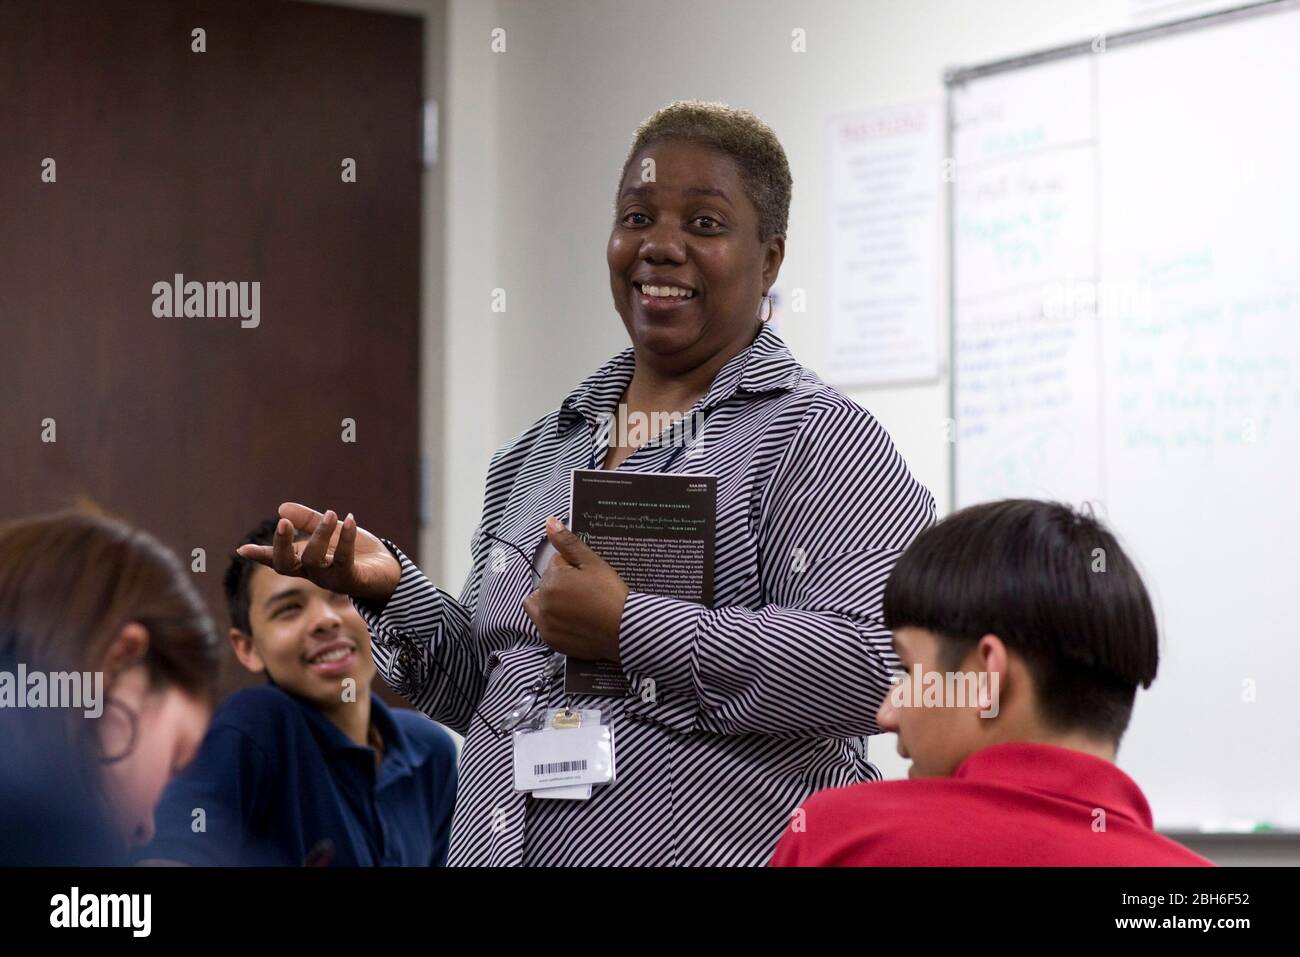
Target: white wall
532 142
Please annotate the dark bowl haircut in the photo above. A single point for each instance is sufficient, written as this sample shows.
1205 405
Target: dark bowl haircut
1031 573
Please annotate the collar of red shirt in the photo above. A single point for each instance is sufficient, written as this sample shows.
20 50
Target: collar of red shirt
1061 773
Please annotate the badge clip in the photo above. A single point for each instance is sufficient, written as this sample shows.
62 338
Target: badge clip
567 718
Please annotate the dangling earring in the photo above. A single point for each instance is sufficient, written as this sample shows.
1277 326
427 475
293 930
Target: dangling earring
761 317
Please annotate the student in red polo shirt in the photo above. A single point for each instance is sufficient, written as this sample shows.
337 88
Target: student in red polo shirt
1023 632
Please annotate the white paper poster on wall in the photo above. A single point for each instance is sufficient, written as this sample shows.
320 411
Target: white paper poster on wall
884 193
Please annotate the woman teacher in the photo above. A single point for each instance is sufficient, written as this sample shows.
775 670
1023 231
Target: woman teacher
739 711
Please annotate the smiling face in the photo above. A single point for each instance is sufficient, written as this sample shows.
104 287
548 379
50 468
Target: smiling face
309 640
692 228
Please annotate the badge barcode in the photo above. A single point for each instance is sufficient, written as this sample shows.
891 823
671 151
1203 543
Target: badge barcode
559 767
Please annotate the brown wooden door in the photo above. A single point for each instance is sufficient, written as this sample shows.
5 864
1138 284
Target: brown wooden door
222 166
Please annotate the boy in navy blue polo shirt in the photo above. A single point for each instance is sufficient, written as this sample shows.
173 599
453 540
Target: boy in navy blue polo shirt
311 768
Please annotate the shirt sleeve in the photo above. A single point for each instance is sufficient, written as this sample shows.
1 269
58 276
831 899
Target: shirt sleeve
422 645
816 659
423 639
208 810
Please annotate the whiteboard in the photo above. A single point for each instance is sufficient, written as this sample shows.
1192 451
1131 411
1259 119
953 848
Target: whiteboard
1126 331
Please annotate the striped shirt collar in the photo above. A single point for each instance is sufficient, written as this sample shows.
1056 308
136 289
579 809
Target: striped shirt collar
764 365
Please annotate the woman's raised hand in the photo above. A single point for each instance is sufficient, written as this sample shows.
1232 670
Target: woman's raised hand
338 556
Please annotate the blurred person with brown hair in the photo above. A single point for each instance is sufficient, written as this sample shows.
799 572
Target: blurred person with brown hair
108 671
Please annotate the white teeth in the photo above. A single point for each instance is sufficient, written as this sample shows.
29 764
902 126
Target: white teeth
668 292
338 654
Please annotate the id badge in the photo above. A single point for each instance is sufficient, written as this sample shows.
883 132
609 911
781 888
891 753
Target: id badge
565 749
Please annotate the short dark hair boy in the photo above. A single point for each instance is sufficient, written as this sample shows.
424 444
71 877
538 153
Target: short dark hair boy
312 767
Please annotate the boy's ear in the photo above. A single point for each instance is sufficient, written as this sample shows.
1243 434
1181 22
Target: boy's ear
247 654
991 652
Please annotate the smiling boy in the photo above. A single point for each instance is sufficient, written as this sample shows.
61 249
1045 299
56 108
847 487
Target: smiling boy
1042 607
312 767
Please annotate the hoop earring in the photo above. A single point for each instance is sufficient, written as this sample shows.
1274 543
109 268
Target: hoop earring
134 722
770 306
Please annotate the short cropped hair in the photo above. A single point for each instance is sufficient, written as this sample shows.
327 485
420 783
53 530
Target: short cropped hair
742 136
240 572
1054 584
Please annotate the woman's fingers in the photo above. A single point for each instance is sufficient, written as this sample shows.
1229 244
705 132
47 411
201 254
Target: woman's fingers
331 542
263 554
316 554
283 558
347 543
328 557
304 519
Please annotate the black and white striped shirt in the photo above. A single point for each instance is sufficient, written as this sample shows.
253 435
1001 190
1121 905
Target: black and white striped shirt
759 701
